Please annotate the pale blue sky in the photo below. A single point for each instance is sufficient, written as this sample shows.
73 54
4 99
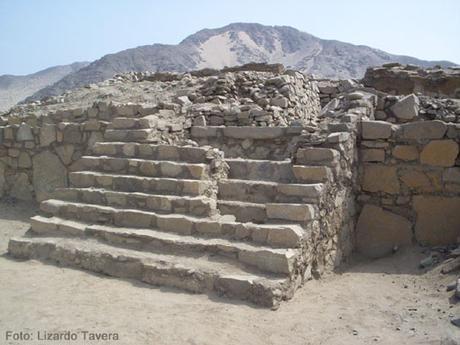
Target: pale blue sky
35 34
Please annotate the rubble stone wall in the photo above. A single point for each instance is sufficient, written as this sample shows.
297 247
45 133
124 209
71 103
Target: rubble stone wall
254 99
333 240
275 143
409 185
330 89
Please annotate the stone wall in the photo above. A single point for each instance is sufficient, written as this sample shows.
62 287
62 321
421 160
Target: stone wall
409 108
274 143
332 241
254 99
330 89
409 185
36 153
400 79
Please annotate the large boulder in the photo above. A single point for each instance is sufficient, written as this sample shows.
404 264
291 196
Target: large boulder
48 174
379 231
406 108
438 219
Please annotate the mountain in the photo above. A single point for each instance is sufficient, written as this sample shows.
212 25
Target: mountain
15 88
237 44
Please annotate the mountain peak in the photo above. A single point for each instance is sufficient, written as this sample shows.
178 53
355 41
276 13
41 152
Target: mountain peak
236 44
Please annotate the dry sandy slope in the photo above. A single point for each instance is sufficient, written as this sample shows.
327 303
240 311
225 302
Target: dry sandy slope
370 299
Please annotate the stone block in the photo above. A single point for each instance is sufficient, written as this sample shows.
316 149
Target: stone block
317 156
92 125
293 212
2 179
128 109
24 133
47 135
204 132
379 231
406 108
48 174
280 101
21 188
288 237
438 219
441 153
124 122
416 179
184 101
175 223
72 133
451 175
129 149
65 152
208 227
376 129
380 178
130 218
8 133
253 132
422 130
24 160
405 152
311 174
372 155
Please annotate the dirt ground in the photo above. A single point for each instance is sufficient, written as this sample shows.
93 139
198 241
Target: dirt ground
388 301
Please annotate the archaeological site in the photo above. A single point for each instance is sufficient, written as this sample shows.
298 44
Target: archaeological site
247 182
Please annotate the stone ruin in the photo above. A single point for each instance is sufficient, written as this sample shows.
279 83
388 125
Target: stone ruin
244 182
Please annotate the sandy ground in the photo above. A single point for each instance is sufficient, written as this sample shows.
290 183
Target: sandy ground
388 301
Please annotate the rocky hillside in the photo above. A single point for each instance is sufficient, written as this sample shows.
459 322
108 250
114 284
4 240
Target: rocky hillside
14 89
237 44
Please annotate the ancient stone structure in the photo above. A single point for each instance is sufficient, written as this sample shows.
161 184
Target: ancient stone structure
235 182
400 79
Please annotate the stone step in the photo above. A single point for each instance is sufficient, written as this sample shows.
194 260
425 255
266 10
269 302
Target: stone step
274 235
143 167
265 170
133 183
204 274
281 261
244 132
139 135
277 171
265 213
146 122
312 174
188 154
198 206
317 156
266 191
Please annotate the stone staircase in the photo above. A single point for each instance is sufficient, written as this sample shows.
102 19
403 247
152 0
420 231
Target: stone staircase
166 215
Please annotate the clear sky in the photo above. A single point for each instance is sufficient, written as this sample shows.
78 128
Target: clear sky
36 34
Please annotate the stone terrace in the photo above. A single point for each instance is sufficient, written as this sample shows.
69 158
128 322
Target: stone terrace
233 183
